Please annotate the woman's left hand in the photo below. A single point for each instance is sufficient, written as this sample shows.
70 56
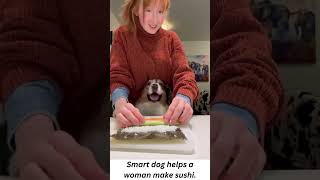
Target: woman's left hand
179 112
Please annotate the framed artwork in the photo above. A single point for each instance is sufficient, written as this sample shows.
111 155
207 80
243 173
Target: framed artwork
291 26
200 66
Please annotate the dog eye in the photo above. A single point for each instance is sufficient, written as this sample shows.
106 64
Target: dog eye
149 83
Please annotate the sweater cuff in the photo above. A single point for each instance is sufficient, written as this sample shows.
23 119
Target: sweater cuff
247 99
243 114
185 98
187 93
18 76
120 92
36 97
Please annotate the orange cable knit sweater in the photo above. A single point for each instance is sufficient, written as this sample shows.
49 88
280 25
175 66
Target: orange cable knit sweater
243 72
138 56
63 41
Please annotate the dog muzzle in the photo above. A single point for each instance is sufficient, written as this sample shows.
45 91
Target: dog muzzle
154 97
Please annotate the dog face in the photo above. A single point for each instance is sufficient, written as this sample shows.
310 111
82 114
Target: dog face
155 90
154 99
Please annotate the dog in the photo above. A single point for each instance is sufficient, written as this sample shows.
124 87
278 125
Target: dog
155 99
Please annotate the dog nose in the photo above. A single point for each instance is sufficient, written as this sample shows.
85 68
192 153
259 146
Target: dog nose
154 86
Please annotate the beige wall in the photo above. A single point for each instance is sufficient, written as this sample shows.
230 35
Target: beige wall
113 22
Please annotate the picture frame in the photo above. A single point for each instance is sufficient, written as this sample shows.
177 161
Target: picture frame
290 24
200 66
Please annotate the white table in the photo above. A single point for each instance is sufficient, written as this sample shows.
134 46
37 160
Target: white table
200 126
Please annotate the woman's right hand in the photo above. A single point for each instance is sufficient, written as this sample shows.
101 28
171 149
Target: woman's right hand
126 114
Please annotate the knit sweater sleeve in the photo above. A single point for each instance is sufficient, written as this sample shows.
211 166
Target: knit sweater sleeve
244 73
120 75
33 46
183 77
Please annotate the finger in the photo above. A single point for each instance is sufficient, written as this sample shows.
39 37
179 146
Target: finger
256 169
240 167
177 112
222 151
81 158
249 151
252 175
53 163
136 113
123 122
170 111
258 166
129 116
186 115
33 171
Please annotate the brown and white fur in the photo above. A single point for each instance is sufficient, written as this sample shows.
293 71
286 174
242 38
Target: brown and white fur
154 100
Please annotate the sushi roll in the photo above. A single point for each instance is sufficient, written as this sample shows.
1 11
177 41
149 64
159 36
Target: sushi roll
149 132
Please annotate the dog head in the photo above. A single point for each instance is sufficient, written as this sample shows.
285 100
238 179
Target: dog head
155 91
154 99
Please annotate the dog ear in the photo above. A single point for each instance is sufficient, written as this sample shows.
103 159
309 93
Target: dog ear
168 93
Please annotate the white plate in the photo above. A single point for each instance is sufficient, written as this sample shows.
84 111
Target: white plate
152 146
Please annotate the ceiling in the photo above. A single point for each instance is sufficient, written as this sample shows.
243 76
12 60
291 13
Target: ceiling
191 18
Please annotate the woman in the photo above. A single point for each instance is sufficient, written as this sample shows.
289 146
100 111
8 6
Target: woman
141 51
246 91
